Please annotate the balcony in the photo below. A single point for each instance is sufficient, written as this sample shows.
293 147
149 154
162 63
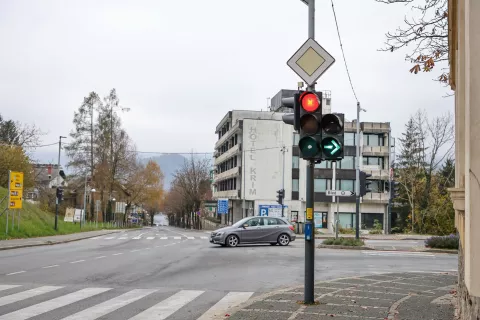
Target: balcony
229 153
227 135
379 151
234 172
229 194
375 171
375 197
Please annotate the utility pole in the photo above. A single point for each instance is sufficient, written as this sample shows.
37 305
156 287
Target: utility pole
58 168
309 287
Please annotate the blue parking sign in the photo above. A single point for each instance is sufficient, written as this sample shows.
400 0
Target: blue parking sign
222 206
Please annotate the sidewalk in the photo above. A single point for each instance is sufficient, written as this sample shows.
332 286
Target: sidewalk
33 242
377 236
394 296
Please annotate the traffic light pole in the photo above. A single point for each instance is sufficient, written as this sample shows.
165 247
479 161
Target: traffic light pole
310 244
357 176
283 181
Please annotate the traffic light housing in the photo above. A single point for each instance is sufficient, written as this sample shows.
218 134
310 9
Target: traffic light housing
280 196
364 183
332 136
309 106
394 189
60 194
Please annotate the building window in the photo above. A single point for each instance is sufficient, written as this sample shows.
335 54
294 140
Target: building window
296 139
347 185
320 185
368 220
295 185
348 162
374 161
347 220
372 140
349 139
295 162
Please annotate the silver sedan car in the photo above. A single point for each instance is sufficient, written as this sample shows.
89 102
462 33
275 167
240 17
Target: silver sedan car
255 230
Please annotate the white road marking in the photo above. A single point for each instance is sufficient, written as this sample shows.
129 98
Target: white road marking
203 237
52 304
163 238
231 300
137 238
96 238
117 254
101 257
78 261
168 306
11 274
109 238
147 249
8 286
135 250
150 238
177 238
123 238
26 294
190 238
52 266
111 305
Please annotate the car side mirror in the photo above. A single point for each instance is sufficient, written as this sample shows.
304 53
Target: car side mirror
244 226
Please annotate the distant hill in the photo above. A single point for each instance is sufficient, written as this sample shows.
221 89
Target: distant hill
169 163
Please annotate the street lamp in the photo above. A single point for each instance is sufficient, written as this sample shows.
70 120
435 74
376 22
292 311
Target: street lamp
92 191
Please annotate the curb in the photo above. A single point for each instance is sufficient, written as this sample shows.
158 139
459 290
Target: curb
51 243
366 237
324 246
450 251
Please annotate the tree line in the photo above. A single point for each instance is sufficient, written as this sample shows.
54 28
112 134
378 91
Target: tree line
425 170
101 149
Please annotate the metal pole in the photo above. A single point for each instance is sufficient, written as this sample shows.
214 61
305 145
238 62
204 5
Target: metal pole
357 176
387 220
338 216
6 224
309 286
283 181
58 168
310 244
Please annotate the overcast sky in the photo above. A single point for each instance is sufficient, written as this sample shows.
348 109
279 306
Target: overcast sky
181 65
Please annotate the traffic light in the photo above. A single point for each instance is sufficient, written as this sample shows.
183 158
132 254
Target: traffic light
394 189
60 194
280 196
292 118
309 105
332 133
364 183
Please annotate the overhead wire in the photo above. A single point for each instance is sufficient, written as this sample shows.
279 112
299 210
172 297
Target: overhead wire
343 52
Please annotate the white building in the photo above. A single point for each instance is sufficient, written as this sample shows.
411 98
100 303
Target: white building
257 138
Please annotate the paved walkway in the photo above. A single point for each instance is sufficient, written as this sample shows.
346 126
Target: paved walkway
393 296
377 236
32 242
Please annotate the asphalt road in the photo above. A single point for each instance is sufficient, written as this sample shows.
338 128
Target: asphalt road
171 273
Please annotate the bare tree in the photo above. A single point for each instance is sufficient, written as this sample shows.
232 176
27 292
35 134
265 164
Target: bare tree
425 34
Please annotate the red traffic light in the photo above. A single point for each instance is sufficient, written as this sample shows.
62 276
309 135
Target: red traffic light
309 102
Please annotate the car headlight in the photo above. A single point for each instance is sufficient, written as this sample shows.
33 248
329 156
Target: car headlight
220 233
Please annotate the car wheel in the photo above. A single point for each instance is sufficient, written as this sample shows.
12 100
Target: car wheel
283 239
232 241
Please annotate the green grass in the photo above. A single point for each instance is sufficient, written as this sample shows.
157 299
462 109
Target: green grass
37 223
352 242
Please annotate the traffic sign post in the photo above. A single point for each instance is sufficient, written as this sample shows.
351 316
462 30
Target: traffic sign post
222 206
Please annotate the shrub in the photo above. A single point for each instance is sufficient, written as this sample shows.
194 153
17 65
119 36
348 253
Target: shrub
443 242
352 242
346 230
396 230
375 231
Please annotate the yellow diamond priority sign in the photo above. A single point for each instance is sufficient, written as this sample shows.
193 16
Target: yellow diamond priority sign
15 190
310 61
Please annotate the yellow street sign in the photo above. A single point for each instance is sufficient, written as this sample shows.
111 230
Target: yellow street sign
15 204
16 180
309 213
16 190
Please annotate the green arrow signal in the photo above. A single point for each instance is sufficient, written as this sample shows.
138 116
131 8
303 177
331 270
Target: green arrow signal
337 147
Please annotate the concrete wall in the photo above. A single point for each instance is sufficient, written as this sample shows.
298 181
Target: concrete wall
469 305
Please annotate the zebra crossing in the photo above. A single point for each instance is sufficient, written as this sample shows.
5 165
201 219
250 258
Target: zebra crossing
62 302
149 238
